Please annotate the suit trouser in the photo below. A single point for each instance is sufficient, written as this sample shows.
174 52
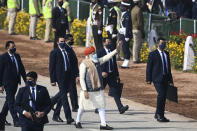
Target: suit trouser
137 44
48 29
98 40
61 32
161 89
32 127
63 87
10 100
12 19
32 26
73 99
111 80
125 47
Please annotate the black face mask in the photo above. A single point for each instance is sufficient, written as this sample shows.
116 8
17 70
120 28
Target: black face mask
109 46
62 45
30 83
60 3
13 50
71 43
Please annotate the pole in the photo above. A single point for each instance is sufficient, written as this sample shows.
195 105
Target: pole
78 9
103 16
194 26
22 6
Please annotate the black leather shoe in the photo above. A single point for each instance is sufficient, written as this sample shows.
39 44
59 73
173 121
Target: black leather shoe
123 109
124 67
7 123
106 127
70 121
96 111
34 38
13 33
57 119
161 119
78 125
75 110
16 124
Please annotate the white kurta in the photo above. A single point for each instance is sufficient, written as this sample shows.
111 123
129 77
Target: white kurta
96 98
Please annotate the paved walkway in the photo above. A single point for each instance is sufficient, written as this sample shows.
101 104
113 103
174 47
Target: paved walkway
138 118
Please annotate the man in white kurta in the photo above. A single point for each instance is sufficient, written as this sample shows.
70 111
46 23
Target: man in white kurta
90 100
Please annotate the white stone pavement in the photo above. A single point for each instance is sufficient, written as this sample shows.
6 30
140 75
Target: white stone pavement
138 118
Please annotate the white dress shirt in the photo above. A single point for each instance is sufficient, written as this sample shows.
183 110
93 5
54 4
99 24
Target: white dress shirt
65 64
107 52
35 92
15 61
165 56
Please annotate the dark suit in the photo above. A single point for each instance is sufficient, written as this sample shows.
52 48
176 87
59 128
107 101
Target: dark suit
42 104
62 77
111 79
155 74
10 77
59 22
72 89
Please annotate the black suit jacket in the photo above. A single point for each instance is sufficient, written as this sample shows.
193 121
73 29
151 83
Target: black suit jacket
8 73
56 65
42 103
105 66
75 72
56 21
154 69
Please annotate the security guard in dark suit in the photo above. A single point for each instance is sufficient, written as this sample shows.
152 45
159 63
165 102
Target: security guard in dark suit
110 75
11 70
125 32
96 16
33 104
72 90
158 71
59 22
61 66
111 27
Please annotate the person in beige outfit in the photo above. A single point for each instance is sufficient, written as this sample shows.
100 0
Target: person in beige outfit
13 6
138 30
47 12
92 91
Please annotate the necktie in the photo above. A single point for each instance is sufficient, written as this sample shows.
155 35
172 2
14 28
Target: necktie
14 63
66 60
110 63
164 64
33 97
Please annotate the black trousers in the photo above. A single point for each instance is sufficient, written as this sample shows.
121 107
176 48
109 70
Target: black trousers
98 40
10 100
60 32
125 47
111 80
32 127
161 89
73 98
63 87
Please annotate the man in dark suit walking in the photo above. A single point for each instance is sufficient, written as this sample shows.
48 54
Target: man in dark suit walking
72 89
61 67
59 22
110 75
158 71
11 70
33 104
